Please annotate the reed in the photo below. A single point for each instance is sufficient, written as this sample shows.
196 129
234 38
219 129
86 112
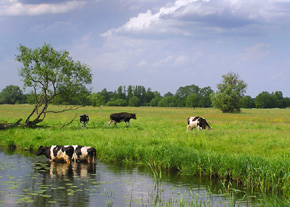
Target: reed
251 148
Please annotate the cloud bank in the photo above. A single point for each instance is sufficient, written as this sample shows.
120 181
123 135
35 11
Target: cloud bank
218 15
16 8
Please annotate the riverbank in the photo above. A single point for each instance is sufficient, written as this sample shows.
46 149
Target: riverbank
251 148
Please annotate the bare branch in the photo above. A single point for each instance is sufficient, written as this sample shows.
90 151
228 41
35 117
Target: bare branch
69 122
66 109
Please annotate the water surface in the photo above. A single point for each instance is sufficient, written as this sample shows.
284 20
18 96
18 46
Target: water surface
28 180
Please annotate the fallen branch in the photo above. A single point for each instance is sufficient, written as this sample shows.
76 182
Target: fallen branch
9 125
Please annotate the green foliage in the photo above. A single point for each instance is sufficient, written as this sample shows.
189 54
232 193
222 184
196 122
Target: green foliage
118 102
52 72
192 100
167 101
247 102
53 76
273 100
96 99
11 95
134 101
229 94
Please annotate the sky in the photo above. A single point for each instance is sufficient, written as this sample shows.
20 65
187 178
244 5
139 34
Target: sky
159 44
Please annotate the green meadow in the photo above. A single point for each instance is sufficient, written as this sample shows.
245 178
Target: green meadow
251 148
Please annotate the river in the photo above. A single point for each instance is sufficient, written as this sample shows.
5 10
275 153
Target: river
28 180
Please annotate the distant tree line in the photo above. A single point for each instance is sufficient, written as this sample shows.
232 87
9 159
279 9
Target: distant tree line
187 96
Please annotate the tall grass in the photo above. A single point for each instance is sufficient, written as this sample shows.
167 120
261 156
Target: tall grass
251 148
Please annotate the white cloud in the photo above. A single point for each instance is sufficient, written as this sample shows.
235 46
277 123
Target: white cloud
147 19
187 16
16 8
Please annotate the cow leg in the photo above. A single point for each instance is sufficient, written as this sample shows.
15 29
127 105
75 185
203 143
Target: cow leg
115 123
109 122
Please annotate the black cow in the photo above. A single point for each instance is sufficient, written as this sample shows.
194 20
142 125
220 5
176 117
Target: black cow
118 117
57 153
84 154
84 119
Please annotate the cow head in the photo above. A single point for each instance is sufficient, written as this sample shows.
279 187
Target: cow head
41 150
134 116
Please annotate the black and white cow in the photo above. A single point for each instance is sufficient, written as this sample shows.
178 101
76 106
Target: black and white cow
118 117
57 153
84 154
84 119
197 122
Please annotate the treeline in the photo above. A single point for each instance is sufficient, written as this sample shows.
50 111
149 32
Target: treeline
188 96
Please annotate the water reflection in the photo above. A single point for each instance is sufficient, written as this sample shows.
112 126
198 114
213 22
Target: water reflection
32 181
63 170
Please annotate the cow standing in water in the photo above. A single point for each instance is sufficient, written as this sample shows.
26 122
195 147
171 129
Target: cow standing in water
118 117
197 122
84 154
84 119
68 153
57 153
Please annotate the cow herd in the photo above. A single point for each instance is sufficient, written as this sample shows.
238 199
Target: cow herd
88 154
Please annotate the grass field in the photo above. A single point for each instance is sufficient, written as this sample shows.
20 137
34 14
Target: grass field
252 148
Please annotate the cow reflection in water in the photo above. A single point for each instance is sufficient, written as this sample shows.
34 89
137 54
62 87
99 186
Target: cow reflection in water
83 170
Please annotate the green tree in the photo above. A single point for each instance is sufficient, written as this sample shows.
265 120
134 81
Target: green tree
81 97
129 92
229 94
117 102
265 100
192 100
11 95
96 99
205 100
167 101
121 92
149 96
50 73
248 102
156 99
134 101
183 92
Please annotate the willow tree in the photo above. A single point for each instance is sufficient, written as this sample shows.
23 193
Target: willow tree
50 73
229 94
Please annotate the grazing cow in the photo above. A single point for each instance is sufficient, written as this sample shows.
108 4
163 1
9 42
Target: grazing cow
84 119
57 153
197 122
84 154
118 117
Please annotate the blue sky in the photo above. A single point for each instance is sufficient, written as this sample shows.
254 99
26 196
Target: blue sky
161 44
